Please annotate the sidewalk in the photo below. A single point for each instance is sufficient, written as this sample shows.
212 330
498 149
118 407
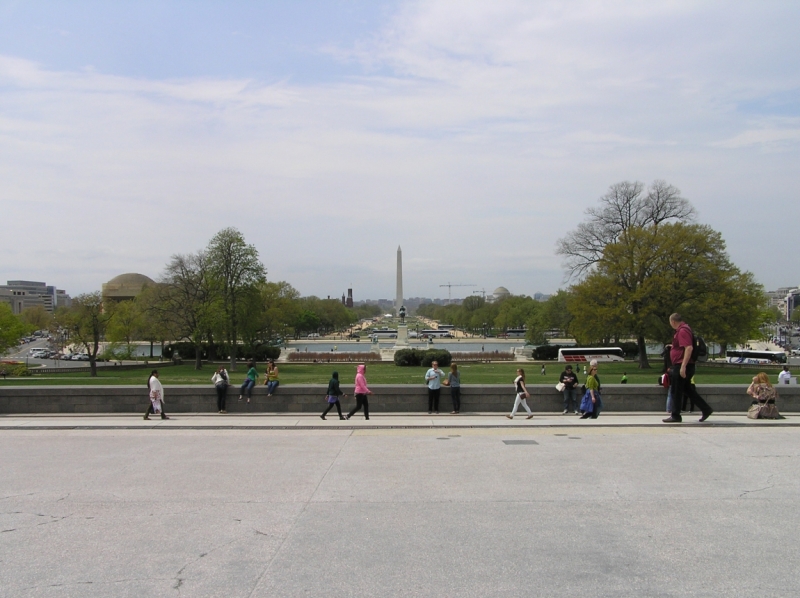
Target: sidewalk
273 421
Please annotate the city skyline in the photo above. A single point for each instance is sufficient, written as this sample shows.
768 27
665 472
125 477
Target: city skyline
329 133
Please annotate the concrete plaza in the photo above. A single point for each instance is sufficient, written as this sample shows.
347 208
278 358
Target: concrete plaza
405 507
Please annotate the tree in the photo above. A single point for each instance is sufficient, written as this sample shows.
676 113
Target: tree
11 328
125 324
37 317
624 206
186 299
235 271
87 322
653 271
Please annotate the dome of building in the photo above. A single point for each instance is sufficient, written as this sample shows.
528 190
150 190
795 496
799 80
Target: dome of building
501 292
126 286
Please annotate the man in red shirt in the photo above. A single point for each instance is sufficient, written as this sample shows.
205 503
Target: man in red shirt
682 371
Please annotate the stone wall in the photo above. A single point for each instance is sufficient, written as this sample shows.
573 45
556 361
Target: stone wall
387 398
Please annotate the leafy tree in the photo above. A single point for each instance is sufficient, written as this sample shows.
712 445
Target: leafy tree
235 271
125 324
556 314
87 322
795 317
11 328
37 318
624 206
652 271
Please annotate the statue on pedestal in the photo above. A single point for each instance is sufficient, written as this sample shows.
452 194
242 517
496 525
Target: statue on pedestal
402 314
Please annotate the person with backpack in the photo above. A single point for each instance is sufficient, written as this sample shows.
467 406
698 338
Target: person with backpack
684 345
220 381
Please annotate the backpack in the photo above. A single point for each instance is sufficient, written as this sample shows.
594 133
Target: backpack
699 348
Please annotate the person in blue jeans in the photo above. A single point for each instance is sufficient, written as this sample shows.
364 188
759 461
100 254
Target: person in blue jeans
249 382
272 378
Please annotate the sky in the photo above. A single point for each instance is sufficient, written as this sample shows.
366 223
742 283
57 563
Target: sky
472 134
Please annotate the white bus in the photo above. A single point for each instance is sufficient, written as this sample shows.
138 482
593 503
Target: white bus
756 357
383 333
585 354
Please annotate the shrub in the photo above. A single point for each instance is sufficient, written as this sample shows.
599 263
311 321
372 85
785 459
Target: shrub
416 357
19 371
442 356
328 357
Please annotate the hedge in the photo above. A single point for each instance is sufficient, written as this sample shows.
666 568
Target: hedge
417 357
187 351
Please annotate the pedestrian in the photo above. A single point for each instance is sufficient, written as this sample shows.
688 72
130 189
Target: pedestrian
220 381
570 381
361 391
624 378
522 395
271 378
682 371
249 381
3 373
783 378
332 396
433 378
454 382
544 371
156 394
592 402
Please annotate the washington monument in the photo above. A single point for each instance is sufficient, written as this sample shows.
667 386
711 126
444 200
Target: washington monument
398 301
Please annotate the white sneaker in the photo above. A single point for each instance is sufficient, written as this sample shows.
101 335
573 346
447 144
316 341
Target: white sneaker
565 411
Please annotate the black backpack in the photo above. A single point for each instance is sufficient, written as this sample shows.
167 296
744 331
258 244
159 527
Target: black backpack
699 348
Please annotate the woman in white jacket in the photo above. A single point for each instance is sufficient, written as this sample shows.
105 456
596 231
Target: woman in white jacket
156 396
220 380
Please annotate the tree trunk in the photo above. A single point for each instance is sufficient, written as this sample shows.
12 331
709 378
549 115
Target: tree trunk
198 364
723 349
642 346
233 352
151 349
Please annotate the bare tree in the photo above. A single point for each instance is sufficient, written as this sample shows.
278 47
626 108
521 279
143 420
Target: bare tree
625 205
186 299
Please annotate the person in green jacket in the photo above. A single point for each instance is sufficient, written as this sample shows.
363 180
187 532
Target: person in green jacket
332 396
249 382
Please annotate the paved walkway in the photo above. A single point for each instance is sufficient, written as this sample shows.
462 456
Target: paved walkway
272 421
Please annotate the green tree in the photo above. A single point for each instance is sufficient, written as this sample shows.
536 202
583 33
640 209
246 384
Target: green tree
236 271
652 271
37 318
11 328
125 324
87 323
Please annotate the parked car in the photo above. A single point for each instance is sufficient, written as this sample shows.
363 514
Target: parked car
81 357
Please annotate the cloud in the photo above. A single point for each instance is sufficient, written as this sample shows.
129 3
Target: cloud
474 136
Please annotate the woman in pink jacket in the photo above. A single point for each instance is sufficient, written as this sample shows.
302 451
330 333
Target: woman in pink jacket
361 392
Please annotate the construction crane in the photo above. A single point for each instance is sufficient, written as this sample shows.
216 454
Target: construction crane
450 286
482 293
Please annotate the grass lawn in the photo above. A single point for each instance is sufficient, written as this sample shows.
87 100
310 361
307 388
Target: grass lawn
388 373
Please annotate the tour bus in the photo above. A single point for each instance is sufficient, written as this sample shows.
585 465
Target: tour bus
584 354
384 333
436 333
755 357
449 327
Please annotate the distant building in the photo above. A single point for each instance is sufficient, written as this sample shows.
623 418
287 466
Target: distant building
24 294
500 293
126 286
